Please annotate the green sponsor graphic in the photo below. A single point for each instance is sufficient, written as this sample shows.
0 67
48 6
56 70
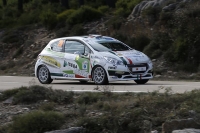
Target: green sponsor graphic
124 61
64 64
56 74
113 52
83 64
69 71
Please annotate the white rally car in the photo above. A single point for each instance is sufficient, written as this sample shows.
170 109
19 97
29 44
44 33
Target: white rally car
92 58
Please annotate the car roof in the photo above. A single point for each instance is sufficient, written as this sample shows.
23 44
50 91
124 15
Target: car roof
90 37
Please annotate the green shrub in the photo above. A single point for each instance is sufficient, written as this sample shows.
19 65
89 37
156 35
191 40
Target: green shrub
77 30
32 94
139 42
12 37
34 4
60 96
125 7
29 18
37 122
9 93
64 31
120 37
49 19
73 4
89 98
149 49
84 14
63 16
11 64
120 12
36 93
156 53
151 11
3 67
115 23
4 129
47 106
95 3
103 9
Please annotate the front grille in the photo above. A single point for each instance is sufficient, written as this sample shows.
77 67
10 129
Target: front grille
131 66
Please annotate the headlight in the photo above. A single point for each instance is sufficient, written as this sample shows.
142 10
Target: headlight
113 61
150 63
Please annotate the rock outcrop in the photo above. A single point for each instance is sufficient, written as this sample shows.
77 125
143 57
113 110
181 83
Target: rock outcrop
165 5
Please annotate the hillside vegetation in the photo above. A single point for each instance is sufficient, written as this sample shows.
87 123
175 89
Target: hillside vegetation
172 35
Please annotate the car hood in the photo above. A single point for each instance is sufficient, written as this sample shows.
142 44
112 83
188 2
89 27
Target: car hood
128 57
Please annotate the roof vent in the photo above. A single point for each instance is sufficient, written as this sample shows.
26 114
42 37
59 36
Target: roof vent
96 36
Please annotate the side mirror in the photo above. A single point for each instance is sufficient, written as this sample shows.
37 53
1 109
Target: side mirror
85 55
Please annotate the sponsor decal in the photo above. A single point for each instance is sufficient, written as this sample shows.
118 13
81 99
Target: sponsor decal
75 71
70 64
51 61
85 65
112 67
130 61
69 75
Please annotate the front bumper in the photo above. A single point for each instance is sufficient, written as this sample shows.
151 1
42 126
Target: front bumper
126 72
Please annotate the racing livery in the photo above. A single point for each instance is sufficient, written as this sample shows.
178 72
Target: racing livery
95 58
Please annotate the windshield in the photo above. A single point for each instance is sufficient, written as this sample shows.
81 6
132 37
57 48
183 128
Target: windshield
109 46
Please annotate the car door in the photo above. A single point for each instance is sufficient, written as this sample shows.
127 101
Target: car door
76 61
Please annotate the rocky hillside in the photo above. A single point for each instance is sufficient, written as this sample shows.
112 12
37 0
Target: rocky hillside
166 30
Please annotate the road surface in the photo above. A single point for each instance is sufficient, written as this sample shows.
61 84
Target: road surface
10 82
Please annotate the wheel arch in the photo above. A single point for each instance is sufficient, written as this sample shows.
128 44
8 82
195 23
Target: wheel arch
97 66
40 65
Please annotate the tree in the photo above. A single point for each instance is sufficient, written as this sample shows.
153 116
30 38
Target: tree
111 3
81 2
20 5
4 2
65 3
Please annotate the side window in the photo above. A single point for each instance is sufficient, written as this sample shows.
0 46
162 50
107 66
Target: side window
57 46
74 46
87 50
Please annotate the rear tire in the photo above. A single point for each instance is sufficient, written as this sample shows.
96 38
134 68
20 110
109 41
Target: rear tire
44 75
143 81
99 76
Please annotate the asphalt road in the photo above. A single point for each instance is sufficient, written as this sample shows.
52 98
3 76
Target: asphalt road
10 82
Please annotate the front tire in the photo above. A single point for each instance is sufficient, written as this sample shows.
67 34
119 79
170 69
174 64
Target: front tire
44 75
99 76
143 81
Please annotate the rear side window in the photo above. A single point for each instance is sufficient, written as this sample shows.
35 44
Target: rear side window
58 46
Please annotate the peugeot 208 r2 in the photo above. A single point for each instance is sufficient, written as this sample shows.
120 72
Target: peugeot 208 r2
95 58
